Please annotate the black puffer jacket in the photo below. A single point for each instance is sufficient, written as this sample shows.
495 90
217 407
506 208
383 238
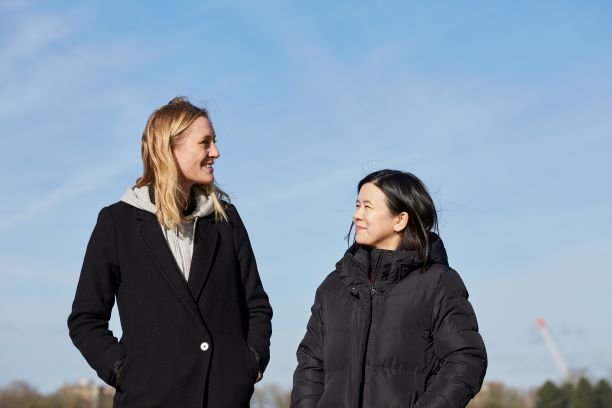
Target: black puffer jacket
410 339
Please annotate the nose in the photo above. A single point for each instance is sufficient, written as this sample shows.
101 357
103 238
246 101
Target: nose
214 152
357 214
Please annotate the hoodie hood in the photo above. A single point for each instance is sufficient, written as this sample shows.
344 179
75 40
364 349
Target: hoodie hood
180 239
143 198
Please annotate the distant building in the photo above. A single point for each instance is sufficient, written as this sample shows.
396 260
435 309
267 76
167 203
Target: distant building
88 391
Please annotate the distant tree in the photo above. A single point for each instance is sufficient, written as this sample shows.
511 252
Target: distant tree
583 395
551 396
568 389
18 394
270 396
603 394
497 395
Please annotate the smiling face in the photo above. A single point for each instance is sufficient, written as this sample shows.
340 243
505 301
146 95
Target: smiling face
375 226
195 153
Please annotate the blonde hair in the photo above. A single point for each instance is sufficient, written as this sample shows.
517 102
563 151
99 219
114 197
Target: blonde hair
163 130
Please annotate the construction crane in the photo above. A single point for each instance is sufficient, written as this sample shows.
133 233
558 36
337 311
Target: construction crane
554 350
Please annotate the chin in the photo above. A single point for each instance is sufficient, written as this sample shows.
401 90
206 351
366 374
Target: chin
206 180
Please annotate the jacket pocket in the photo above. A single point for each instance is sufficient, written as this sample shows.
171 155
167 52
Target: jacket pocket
119 371
252 365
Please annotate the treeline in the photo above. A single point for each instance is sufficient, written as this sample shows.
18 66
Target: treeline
581 394
20 394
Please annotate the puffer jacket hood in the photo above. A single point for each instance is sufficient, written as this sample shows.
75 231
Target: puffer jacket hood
386 265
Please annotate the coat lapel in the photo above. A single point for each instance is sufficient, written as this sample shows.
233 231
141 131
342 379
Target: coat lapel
153 238
204 252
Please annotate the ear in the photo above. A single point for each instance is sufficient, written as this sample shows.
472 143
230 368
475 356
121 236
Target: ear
401 220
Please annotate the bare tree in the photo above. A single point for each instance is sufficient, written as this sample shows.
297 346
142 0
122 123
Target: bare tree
270 396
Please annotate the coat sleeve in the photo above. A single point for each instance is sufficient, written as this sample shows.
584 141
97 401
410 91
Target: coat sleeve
260 311
94 301
309 376
458 347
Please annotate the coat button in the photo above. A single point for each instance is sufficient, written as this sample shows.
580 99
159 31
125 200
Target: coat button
204 346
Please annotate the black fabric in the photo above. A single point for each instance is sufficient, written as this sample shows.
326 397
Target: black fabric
165 320
410 339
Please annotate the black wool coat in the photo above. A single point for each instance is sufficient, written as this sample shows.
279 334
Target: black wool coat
409 339
184 344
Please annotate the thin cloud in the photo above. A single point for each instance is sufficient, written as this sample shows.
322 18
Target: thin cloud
346 177
8 327
73 188
45 61
48 70
387 101
33 36
11 5
313 187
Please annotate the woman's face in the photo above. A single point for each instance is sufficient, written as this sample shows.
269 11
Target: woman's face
196 152
375 226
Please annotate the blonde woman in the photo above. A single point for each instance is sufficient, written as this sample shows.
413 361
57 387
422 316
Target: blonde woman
175 255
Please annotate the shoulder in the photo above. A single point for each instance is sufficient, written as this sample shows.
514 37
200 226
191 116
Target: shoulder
120 207
121 211
230 210
447 280
233 223
122 216
331 285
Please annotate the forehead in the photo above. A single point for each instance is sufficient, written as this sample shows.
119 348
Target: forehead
369 192
201 127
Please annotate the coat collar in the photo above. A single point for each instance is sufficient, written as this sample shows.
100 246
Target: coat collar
205 247
204 252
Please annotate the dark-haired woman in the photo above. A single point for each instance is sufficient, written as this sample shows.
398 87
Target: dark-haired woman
392 325
176 256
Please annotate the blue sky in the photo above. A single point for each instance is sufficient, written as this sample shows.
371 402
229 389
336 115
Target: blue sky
502 108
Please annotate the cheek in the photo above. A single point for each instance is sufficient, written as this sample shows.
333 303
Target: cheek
191 160
376 224
180 161
181 156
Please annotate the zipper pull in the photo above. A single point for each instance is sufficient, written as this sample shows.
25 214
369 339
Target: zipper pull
373 291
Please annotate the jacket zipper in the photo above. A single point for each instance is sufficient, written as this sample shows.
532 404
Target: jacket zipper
361 383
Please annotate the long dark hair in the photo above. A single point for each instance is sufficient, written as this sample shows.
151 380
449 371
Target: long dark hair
406 193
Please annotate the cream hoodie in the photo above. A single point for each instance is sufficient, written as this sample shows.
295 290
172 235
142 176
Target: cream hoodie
180 240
